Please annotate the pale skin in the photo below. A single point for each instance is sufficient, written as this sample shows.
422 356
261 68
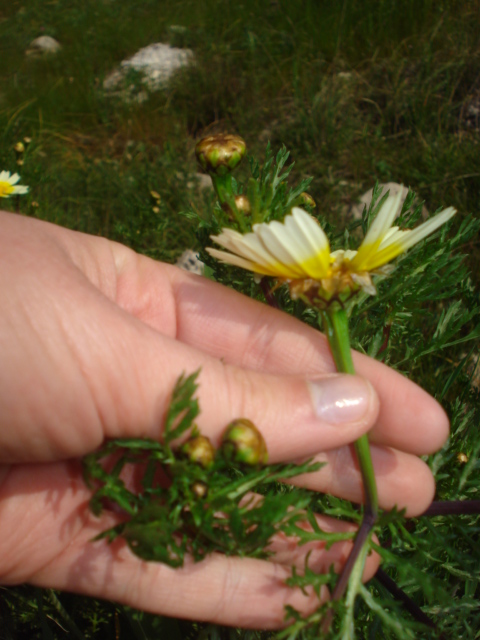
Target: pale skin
93 338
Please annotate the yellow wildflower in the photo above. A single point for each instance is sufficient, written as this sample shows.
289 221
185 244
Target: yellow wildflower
8 185
297 251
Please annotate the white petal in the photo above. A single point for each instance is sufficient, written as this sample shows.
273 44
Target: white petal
249 252
4 176
425 229
400 241
247 246
229 258
228 238
14 179
297 248
298 243
392 236
309 228
253 248
384 219
312 235
275 239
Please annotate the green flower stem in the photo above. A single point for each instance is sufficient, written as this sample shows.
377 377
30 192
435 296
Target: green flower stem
336 321
224 189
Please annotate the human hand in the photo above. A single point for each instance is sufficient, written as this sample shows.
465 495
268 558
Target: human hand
93 338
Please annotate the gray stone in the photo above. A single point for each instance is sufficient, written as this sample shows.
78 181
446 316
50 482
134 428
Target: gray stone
43 45
200 181
155 65
204 181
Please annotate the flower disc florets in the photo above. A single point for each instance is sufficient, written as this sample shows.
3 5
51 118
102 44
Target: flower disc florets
297 252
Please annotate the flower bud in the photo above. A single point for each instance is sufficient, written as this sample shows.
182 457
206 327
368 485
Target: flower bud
221 153
19 147
243 442
199 450
306 199
462 458
200 489
243 204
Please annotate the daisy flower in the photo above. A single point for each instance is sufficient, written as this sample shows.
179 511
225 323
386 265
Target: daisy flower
297 251
8 185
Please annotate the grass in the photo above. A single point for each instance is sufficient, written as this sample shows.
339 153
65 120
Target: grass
357 92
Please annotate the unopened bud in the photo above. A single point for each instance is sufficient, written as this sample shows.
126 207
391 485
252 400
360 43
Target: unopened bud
243 442
462 458
200 489
306 199
19 147
199 450
221 153
243 204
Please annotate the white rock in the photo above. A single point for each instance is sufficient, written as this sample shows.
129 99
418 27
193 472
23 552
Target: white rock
365 200
204 181
156 64
43 44
189 261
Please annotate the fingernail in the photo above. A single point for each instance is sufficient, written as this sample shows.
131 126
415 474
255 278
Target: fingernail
341 399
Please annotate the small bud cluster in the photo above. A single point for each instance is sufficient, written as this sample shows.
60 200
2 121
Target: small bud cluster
241 442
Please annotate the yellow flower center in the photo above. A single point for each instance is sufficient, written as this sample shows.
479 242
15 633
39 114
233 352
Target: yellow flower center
5 189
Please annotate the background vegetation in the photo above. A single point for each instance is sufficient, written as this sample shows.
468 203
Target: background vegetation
358 91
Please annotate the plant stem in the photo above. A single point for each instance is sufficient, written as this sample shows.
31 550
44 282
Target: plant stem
452 507
398 593
336 322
